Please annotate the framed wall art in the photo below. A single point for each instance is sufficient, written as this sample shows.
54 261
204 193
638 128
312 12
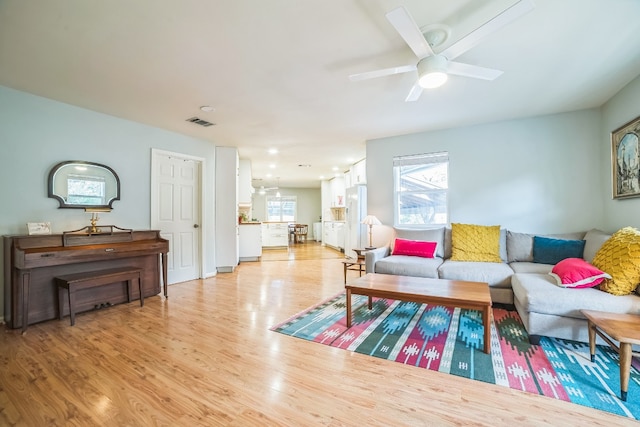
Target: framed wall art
625 156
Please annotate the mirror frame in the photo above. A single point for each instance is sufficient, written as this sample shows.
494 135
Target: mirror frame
63 202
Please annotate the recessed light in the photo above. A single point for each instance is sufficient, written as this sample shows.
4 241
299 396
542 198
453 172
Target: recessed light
335 168
273 151
269 175
207 109
321 176
272 166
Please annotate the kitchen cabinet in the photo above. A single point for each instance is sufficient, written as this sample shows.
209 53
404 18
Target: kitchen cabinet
357 174
337 191
250 241
245 190
334 234
227 253
275 234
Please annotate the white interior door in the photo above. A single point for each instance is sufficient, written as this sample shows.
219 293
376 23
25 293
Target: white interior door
175 211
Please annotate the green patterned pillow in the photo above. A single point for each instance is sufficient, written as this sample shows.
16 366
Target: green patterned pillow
475 243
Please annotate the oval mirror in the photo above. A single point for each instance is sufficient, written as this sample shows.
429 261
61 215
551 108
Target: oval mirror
79 184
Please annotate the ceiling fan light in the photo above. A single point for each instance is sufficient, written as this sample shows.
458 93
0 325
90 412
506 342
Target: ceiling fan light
433 80
432 71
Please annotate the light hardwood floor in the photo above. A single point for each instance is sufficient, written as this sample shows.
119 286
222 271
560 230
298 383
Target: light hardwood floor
206 357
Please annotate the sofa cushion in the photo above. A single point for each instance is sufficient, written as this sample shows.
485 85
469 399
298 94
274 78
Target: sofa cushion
551 251
577 273
475 243
620 257
503 244
403 265
414 248
594 239
429 235
494 273
538 293
520 245
531 267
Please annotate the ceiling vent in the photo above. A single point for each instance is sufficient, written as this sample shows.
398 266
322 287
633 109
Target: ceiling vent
200 122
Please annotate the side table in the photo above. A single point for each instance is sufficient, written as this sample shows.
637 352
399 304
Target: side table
624 328
360 251
355 264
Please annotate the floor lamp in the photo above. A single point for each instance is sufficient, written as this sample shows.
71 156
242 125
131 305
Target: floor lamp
371 220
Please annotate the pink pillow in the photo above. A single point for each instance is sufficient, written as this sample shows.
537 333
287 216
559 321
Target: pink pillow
577 273
414 248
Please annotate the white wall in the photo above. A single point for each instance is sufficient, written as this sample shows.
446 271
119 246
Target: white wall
538 175
622 108
36 133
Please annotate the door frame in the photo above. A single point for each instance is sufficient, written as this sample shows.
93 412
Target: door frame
201 247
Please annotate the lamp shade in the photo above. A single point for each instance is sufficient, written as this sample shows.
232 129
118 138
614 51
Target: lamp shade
371 220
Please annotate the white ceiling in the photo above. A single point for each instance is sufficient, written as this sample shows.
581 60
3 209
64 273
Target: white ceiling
276 71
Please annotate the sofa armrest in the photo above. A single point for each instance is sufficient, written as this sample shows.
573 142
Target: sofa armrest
372 256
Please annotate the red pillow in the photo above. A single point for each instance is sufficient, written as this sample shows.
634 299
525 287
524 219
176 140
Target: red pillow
577 273
414 248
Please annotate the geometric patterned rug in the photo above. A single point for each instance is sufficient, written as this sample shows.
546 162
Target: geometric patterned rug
450 340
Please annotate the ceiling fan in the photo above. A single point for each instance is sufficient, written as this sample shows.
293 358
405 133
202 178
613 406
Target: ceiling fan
264 189
433 68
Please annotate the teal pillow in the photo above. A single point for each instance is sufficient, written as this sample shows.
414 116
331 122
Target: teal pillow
552 251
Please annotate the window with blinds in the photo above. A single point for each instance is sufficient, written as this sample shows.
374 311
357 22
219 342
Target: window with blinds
421 185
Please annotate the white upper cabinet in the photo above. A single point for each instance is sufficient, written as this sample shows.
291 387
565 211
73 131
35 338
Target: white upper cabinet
244 183
358 173
337 191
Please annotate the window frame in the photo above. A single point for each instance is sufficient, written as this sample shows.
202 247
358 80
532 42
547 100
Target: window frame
417 160
281 200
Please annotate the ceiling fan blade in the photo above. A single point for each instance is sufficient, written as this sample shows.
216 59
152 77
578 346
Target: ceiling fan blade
473 38
409 31
414 93
382 73
467 70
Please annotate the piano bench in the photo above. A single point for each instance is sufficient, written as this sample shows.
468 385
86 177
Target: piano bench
93 279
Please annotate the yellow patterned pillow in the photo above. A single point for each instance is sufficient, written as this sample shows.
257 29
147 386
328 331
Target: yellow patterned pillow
620 258
475 243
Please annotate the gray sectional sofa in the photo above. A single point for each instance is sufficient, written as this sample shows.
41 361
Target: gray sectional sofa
545 308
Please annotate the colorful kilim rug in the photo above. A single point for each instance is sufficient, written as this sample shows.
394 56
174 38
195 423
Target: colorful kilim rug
450 340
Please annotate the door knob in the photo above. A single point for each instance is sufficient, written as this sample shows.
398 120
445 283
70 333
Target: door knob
196 226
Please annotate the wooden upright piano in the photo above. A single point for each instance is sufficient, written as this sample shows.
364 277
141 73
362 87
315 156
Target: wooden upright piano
32 262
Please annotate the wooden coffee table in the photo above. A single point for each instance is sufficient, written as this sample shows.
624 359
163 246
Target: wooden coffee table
452 293
624 328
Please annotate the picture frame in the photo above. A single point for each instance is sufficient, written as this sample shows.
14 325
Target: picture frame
625 160
38 228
